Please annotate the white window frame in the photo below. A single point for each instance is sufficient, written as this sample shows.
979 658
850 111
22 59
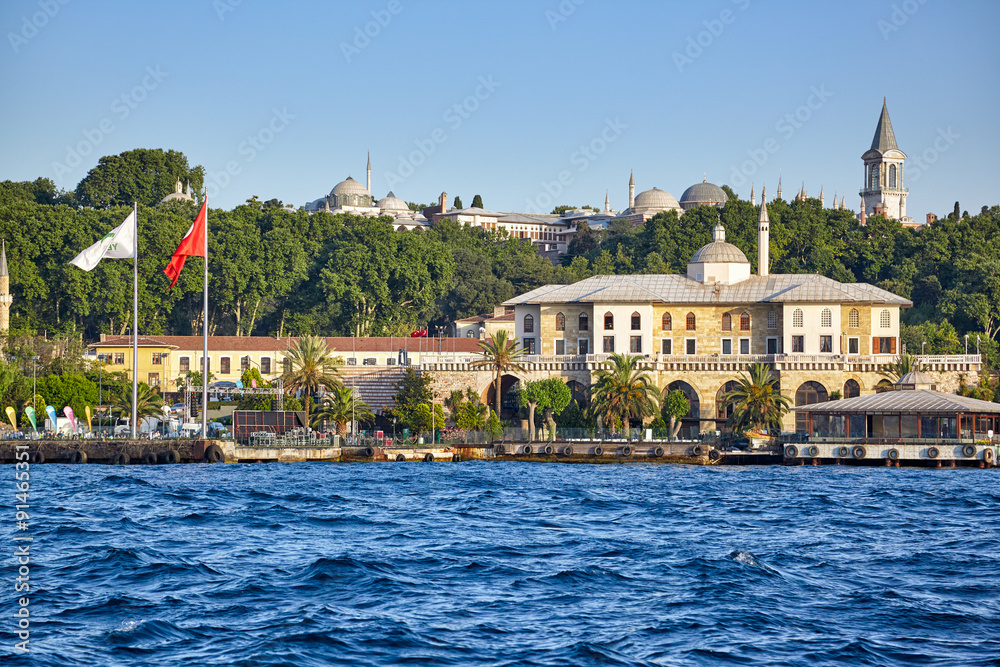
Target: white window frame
586 342
857 344
722 346
556 348
270 365
749 347
777 344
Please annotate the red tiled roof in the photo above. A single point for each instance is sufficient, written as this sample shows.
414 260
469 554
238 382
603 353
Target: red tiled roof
342 344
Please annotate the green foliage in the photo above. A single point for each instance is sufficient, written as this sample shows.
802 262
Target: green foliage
757 401
477 202
293 404
143 175
312 366
74 390
15 388
412 392
342 405
149 402
458 202
551 396
622 391
494 428
675 406
500 355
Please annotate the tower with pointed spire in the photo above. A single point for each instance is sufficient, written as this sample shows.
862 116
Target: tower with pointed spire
883 190
607 200
753 195
778 195
763 237
631 190
822 201
6 300
368 180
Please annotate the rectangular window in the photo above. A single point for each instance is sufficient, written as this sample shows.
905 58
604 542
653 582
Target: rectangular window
207 363
185 364
772 346
727 346
351 361
690 345
885 345
157 359
265 365
244 364
635 344
798 344
560 346
390 361
120 358
286 364
154 380
854 346
583 345
666 346
772 319
744 346
609 344
370 361
224 365
826 344
529 345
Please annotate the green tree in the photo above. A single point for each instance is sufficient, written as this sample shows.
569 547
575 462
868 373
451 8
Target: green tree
149 402
477 202
312 365
412 391
757 402
458 202
494 428
342 405
472 415
623 391
551 395
675 406
142 175
905 363
500 355
72 389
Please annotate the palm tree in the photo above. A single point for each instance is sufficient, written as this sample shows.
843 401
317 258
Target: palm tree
340 406
501 355
312 366
905 363
624 392
757 402
149 402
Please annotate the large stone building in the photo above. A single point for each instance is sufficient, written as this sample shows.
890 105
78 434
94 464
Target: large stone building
697 331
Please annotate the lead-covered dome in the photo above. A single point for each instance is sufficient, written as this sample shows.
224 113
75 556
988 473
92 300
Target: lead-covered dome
719 251
392 203
703 193
657 199
349 187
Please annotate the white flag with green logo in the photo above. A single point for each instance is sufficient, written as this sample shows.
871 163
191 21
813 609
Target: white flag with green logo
119 243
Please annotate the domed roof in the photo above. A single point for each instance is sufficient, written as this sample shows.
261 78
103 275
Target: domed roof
656 199
719 251
349 187
704 193
392 203
916 380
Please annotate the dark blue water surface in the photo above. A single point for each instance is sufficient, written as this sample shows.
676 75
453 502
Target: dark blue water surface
508 564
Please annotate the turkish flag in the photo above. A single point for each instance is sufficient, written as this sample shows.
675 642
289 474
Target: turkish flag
419 333
192 245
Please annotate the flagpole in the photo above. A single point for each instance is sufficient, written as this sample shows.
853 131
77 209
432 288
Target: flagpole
135 321
204 364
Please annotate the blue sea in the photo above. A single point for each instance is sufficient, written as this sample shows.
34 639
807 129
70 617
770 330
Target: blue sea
506 564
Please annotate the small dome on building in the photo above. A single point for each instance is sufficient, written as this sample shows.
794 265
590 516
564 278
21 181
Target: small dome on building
916 381
719 251
178 194
703 193
392 203
349 187
655 199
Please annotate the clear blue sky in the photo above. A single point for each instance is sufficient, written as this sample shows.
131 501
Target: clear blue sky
669 90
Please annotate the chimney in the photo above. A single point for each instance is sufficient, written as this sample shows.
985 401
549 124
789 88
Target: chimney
444 202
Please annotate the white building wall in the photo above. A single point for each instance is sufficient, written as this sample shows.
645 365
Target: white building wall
623 326
812 327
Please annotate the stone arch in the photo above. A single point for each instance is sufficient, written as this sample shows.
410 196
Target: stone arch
691 422
852 388
724 412
401 228
808 393
883 385
507 408
579 392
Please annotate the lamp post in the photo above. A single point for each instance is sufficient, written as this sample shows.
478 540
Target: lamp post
977 343
922 348
966 344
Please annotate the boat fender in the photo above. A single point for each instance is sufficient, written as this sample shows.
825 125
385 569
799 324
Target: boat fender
598 451
568 450
369 452
859 452
79 456
843 452
893 454
627 450
988 455
428 458
401 457
548 450
791 451
37 457
933 452
171 456
498 448
121 459
658 452
814 451
214 454
526 450
969 451
149 458
697 450
714 455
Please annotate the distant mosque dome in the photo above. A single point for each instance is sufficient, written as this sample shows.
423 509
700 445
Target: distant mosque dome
349 187
178 194
655 200
703 193
392 203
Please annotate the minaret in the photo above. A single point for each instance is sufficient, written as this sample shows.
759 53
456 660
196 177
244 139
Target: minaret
753 196
843 200
821 200
368 181
834 199
607 200
779 188
5 298
763 237
631 190
862 216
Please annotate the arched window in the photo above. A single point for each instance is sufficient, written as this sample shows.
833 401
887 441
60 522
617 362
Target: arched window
852 389
636 321
560 322
529 324
853 318
874 183
892 175
727 322
772 319
885 319
690 322
584 322
609 321
668 323
797 317
808 394
745 322
826 318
